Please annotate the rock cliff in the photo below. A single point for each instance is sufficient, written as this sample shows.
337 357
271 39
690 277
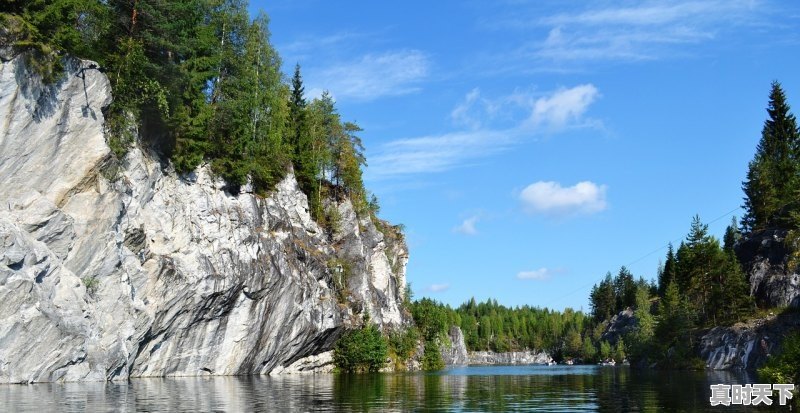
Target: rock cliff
620 325
455 354
746 345
512 357
765 257
141 272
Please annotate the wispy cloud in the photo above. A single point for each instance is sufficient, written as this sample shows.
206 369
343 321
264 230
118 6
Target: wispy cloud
436 153
437 288
541 274
467 227
461 114
537 114
638 30
373 75
310 43
550 198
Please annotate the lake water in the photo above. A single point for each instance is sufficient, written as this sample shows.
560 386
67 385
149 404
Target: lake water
494 388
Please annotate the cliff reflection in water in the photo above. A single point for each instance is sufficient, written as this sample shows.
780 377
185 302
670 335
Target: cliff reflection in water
492 388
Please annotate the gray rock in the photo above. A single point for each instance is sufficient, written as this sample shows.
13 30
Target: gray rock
765 256
621 324
746 346
153 274
454 353
509 358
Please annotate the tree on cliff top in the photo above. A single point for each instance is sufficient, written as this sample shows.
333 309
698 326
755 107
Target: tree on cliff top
773 176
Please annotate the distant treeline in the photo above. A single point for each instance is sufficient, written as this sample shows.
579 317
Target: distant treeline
491 326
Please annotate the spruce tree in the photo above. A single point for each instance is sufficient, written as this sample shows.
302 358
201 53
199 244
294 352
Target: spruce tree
297 113
667 275
732 236
772 177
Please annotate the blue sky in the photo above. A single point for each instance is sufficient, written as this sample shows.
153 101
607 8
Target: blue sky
531 146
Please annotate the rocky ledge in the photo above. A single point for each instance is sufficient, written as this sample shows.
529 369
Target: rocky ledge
746 345
509 358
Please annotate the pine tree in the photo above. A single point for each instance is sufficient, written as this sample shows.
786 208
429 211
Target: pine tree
603 299
772 177
297 113
697 265
625 290
667 275
674 320
732 235
641 337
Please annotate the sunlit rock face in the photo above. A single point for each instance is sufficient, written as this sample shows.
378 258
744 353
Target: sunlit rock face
455 354
509 358
110 273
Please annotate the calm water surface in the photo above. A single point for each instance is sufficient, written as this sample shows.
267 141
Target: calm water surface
495 389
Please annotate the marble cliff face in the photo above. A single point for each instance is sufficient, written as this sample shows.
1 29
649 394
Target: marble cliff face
109 273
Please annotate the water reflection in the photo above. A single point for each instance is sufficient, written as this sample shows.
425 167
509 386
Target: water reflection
520 388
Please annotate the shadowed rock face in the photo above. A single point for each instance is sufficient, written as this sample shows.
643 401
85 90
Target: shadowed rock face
619 326
151 274
746 346
765 258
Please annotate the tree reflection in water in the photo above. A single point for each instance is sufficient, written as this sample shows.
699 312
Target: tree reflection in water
492 389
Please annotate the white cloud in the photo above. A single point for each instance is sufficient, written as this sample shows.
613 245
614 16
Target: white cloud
373 76
539 275
532 114
467 226
437 288
551 198
564 105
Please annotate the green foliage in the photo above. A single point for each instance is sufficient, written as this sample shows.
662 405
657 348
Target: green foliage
362 350
91 284
605 350
198 81
667 273
711 278
773 176
641 338
403 344
619 352
785 367
490 326
432 318
432 356
589 351
614 294
573 346
341 270
332 220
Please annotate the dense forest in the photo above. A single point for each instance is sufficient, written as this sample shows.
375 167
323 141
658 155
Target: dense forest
200 82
